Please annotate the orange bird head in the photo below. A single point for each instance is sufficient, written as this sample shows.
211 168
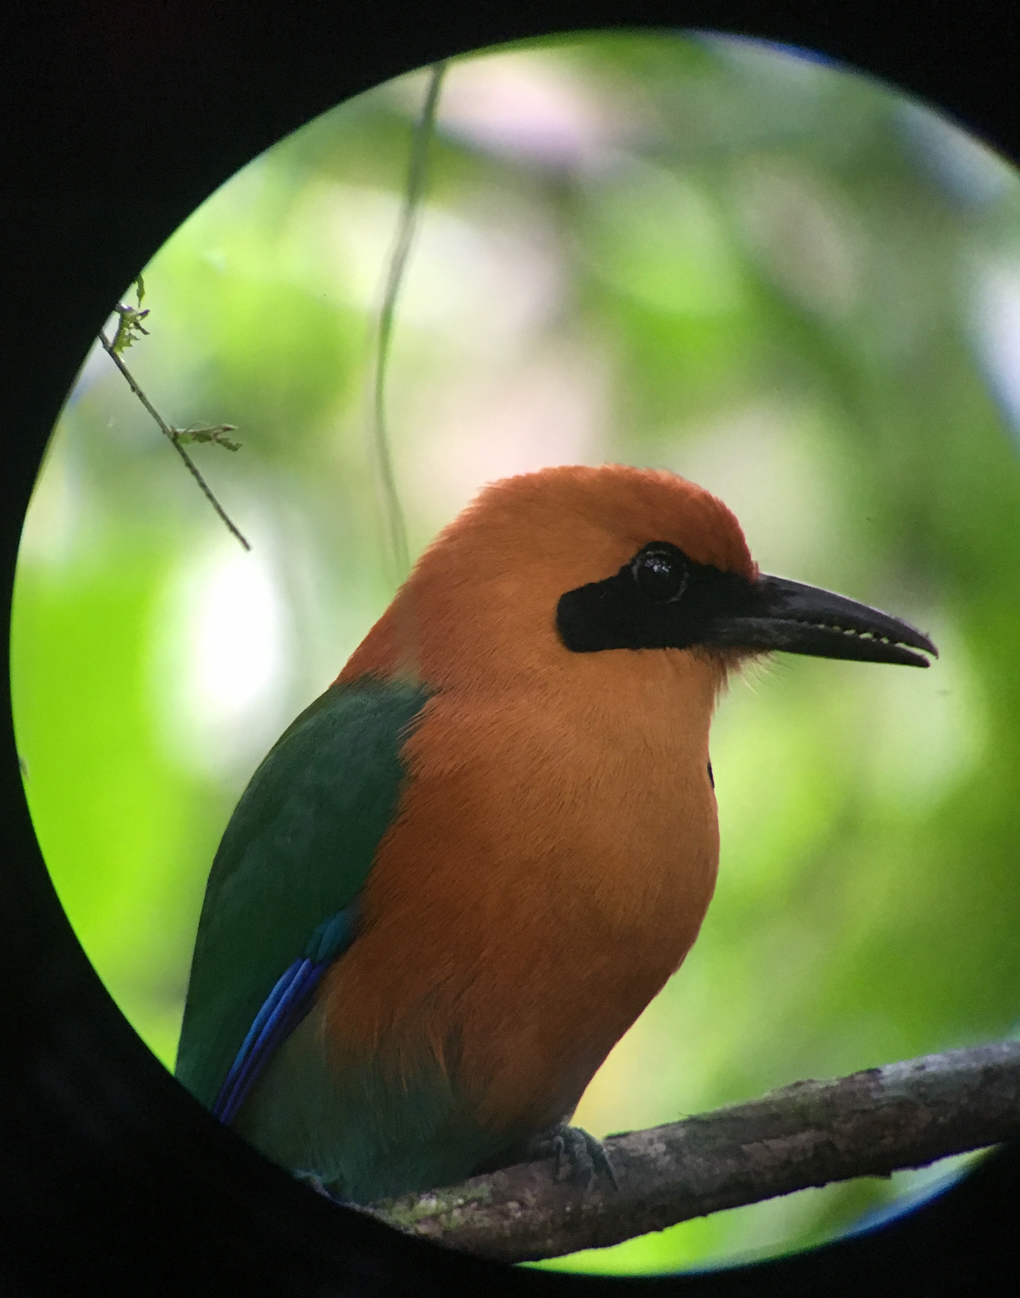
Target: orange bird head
575 561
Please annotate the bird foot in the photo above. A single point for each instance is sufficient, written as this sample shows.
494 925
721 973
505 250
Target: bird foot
320 1187
315 1183
579 1155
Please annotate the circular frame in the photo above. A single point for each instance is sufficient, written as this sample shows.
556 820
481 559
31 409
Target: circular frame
120 120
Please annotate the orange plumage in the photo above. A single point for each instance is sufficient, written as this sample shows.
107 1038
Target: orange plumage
557 844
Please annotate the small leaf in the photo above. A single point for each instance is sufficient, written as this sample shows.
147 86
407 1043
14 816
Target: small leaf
129 327
207 433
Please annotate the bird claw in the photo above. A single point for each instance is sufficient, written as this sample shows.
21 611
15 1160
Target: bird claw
313 1182
320 1187
579 1155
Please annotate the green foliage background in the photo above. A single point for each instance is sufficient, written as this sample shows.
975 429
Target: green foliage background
773 276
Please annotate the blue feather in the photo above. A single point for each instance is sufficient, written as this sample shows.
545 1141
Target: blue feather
283 1009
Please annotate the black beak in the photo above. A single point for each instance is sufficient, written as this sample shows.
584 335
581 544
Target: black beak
799 619
661 599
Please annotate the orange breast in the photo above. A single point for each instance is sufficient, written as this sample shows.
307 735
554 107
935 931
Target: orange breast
552 863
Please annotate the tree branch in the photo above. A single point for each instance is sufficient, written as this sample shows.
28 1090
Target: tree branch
129 325
808 1134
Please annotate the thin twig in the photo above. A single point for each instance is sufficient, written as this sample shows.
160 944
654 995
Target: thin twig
809 1134
414 192
174 437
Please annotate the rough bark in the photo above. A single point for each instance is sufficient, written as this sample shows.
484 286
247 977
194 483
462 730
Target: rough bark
809 1134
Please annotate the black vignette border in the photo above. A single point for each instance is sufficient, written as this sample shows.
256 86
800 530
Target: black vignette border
120 118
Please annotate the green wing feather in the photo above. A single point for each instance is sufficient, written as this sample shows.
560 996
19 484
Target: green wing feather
297 850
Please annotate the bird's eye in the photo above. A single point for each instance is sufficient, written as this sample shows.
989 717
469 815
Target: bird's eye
660 573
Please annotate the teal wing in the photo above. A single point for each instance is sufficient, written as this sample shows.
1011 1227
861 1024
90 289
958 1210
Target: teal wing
281 900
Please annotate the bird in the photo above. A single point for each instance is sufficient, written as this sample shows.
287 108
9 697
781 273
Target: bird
465 869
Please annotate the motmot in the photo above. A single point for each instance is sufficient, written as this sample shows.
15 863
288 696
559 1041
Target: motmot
464 870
